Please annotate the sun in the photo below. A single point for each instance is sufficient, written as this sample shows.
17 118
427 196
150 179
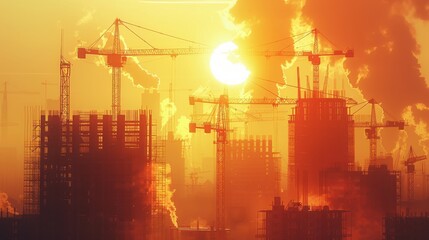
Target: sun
225 65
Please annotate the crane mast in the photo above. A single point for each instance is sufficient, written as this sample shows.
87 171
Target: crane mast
315 60
116 72
222 128
372 135
409 163
65 71
116 58
371 131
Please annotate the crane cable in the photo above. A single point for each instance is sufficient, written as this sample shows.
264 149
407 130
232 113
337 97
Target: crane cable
164 34
139 37
98 39
279 40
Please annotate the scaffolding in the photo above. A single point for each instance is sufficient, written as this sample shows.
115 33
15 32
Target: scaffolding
406 227
96 176
159 211
31 161
369 195
321 136
252 180
296 222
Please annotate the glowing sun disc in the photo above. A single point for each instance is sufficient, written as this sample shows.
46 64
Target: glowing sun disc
225 70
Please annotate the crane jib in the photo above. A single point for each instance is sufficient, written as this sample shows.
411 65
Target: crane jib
82 52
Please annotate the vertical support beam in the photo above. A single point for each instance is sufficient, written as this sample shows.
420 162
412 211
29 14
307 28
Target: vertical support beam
221 141
299 83
43 151
120 131
107 132
93 133
305 188
372 135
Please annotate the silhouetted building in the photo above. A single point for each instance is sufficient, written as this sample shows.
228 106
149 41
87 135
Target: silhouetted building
298 222
252 180
96 177
369 195
18 227
191 233
406 227
321 136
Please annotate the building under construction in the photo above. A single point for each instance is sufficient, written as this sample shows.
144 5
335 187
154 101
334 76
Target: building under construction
406 227
321 136
298 222
95 176
369 195
252 179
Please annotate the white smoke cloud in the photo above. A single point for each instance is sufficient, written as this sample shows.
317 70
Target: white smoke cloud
89 16
5 205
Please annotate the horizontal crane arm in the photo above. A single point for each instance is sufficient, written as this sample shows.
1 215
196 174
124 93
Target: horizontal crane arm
82 52
260 101
398 124
415 159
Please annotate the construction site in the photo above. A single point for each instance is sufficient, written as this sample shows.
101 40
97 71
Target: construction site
269 161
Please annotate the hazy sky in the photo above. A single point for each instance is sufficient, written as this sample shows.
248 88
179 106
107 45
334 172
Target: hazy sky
31 47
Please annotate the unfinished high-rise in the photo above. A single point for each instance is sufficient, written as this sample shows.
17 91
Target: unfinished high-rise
296 222
252 179
95 176
321 137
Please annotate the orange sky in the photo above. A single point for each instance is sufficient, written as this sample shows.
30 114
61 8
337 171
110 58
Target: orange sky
31 43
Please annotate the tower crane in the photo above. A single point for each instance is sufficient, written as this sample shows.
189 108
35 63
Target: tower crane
117 57
409 163
65 71
371 131
221 127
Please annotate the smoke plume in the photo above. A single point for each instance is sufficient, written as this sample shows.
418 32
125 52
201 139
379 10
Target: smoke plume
384 43
182 129
385 66
163 189
168 109
132 69
263 22
5 205
140 76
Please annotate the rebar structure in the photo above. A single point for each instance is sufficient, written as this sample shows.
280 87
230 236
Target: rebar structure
296 222
31 161
159 210
96 176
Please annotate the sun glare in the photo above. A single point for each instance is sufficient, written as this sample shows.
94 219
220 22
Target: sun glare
226 66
